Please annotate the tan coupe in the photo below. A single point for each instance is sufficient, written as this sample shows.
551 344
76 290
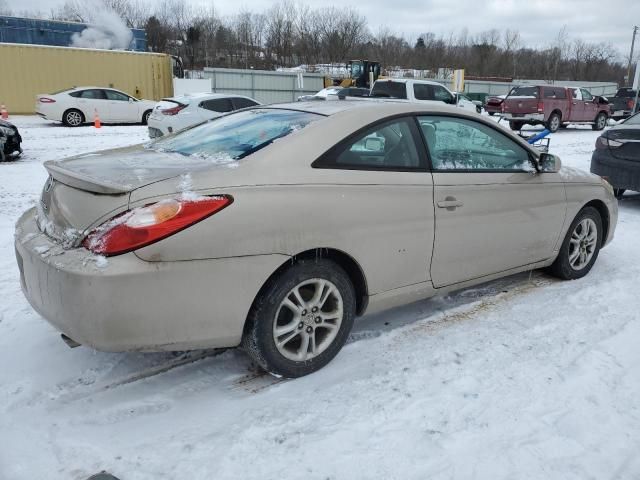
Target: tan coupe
273 227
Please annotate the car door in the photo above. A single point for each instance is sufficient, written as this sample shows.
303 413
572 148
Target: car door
215 107
577 105
590 107
92 101
493 212
385 191
122 108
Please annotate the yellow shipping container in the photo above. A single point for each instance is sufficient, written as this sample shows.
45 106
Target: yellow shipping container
28 70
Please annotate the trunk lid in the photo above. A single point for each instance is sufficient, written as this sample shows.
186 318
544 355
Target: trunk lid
629 136
84 191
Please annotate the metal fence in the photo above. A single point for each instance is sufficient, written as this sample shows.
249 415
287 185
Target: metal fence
265 86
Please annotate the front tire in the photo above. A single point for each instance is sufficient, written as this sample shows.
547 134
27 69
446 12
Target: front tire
301 319
581 246
600 122
145 117
73 118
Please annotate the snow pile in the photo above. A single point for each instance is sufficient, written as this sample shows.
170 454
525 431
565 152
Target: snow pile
106 31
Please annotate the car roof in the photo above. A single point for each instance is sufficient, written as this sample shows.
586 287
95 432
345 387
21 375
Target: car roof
407 80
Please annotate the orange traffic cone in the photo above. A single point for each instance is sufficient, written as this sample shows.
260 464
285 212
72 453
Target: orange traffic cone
96 119
3 112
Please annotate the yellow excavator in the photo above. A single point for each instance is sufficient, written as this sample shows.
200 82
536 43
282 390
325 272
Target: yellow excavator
361 74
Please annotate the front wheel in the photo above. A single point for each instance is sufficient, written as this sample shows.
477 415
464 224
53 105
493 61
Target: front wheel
581 246
600 121
301 319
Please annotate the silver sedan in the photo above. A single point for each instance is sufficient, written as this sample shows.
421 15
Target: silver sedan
273 228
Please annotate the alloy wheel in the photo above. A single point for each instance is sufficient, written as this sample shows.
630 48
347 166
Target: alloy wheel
308 319
74 118
582 244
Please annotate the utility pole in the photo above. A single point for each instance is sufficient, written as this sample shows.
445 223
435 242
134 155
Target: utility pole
633 41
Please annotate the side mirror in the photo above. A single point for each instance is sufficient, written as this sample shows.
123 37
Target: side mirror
130 100
549 163
374 144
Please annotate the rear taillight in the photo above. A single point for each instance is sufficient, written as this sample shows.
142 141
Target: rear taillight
173 110
603 143
540 106
47 100
143 226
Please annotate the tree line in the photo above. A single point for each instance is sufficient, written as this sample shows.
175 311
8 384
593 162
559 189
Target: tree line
289 34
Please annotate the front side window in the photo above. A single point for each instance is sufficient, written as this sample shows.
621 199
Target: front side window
586 95
235 136
113 95
387 146
442 94
462 144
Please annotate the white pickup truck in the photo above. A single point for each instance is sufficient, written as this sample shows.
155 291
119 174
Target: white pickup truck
419 91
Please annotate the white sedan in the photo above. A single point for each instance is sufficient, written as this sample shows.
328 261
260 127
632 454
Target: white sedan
177 113
79 105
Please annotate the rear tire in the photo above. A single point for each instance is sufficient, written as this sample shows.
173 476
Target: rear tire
515 125
145 117
600 122
580 247
73 118
554 122
301 319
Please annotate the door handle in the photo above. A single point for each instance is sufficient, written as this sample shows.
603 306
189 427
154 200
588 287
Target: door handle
450 203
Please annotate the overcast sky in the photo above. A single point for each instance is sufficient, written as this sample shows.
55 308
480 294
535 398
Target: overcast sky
537 20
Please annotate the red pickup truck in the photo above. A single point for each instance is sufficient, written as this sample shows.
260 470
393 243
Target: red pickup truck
554 107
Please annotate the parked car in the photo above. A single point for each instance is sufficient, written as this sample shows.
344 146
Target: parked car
177 113
465 102
493 104
10 141
78 105
622 103
335 93
412 90
215 227
554 107
617 155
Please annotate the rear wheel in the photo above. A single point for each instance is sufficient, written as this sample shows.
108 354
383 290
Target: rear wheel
73 118
600 121
513 125
554 122
581 246
301 319
145 117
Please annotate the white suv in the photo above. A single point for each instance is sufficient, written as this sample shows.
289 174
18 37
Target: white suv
418 91
176 113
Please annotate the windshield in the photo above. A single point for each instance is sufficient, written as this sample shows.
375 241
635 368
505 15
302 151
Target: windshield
235 136
524 92
389 89
632 120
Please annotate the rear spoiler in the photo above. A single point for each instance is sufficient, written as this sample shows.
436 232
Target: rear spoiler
83 182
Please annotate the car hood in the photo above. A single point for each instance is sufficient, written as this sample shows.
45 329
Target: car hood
122 170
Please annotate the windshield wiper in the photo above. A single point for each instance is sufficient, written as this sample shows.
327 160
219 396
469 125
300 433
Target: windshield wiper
260 146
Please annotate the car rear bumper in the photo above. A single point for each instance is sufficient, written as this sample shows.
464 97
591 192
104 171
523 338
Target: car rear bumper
525 117
124 303
619 172
155 132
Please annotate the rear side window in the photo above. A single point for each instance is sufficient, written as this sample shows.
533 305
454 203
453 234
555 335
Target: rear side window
387 146
240 102
220 105
236 135
93 94
389 90
423 91
462 144
555 93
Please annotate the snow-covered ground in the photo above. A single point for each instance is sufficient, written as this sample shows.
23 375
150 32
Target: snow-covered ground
523 378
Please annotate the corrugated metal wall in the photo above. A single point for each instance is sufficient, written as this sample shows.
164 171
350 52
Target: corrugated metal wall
263 85
29 69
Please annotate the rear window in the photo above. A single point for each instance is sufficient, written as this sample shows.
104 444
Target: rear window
524 92
236 135
555 92
389 90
